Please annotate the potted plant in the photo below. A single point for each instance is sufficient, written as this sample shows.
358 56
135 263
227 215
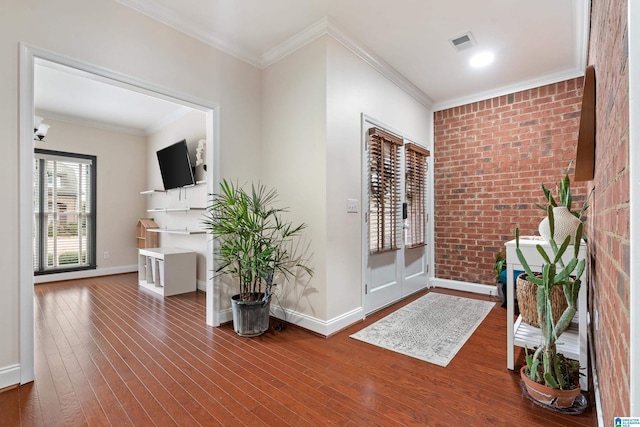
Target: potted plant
566 220
253 245
549 377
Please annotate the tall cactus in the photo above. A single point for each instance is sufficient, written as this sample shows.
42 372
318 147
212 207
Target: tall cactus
554 273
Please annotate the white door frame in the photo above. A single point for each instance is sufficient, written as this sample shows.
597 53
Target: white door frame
365 119
28 57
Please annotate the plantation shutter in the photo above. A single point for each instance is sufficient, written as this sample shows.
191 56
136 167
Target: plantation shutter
385 207
416 194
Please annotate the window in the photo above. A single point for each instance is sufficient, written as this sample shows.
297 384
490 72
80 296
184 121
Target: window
385 206
64 187
415 183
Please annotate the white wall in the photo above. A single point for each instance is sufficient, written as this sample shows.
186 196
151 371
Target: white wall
294 160
312 102
107 34
121 169
191 127
353 88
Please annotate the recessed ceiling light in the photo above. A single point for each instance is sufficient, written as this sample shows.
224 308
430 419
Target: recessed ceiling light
481 59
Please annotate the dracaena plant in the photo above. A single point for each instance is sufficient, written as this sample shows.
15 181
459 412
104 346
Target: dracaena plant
253 241
546 365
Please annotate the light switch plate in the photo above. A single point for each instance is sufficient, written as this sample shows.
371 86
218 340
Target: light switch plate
352 205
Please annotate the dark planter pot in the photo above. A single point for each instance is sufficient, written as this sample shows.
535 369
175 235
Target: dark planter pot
250 318
549 396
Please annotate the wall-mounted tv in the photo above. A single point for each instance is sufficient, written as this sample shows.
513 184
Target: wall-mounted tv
175 165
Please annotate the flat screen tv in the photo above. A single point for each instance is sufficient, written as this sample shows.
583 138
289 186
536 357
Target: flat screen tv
175 165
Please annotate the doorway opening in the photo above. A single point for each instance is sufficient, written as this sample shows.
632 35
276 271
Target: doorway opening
29 57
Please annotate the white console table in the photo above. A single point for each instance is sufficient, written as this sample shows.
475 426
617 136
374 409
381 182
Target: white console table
573 342
167 271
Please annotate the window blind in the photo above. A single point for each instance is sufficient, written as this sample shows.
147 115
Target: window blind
385 207
416 194
64 212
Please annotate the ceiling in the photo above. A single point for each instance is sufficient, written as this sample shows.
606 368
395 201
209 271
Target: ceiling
534 43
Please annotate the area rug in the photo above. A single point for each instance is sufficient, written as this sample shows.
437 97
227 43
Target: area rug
432 328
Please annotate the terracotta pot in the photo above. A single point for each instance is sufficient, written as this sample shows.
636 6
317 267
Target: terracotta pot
547 395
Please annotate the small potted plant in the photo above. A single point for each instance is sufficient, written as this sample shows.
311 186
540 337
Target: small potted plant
549 377
253 246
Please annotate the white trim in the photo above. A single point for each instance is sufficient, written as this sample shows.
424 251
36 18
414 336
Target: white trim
212 157
378 64
169 18
475 288
29 55
25 215
633 37
9 376
320 327
324 328
594 380
50 115
297 41
582 17
85 274
559 76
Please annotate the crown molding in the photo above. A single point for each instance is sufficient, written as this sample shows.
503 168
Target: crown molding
582 18
325 27
304 37
155 127
167 120
67 118
379 65
560 76
167 17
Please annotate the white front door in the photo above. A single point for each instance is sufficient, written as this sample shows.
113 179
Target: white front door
395 259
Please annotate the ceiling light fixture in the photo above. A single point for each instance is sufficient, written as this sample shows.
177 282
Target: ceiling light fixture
481 59
39 129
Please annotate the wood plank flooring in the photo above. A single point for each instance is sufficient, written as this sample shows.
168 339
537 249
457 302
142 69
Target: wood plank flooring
107 353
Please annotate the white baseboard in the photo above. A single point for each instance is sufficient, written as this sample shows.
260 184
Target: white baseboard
84 274
475 288
9 376
320 327
594 380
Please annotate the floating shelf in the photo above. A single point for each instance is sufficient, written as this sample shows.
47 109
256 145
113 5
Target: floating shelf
151 192
183 209
176 231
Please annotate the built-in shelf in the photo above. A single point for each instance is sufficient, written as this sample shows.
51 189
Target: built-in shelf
152 192
176 231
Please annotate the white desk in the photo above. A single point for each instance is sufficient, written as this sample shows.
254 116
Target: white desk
573 342
167 271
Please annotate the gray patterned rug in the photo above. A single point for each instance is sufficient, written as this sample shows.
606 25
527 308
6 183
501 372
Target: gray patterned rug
432 328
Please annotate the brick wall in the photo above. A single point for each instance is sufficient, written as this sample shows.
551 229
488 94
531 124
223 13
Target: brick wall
490 158
609 226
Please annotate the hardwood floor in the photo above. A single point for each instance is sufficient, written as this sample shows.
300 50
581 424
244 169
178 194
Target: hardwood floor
107 353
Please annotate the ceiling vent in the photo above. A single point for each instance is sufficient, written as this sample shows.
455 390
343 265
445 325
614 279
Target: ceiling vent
463 42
